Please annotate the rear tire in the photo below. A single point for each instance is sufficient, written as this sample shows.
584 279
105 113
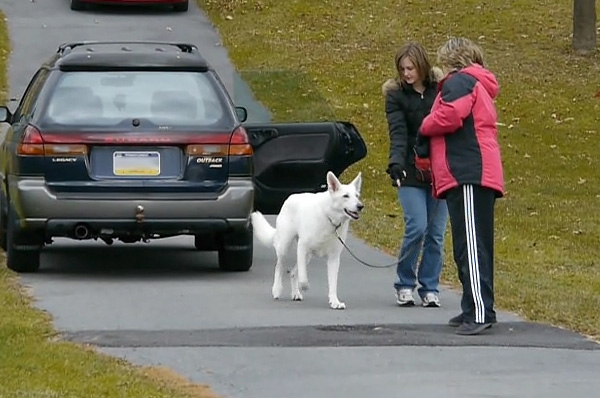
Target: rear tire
77 5
181 7
20 260
236 250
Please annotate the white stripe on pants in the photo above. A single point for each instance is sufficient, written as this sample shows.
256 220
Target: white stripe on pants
472 253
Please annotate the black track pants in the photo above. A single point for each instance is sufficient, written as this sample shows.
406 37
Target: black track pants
471 210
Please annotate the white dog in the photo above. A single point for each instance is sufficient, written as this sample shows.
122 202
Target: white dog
314 220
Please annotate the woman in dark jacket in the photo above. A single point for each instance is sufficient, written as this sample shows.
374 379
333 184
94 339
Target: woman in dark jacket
408 99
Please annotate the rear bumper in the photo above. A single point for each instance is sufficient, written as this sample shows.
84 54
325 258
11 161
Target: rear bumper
134 2
38 208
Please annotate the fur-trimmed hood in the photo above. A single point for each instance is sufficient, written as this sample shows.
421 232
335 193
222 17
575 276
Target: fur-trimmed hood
392 84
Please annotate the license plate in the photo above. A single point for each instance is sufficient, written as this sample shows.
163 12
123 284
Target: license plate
136 164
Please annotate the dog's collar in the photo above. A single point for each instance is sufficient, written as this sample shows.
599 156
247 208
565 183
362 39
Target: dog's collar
333 224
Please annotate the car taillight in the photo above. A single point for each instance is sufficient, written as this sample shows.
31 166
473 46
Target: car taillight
33 144
238 146
206 150
65 149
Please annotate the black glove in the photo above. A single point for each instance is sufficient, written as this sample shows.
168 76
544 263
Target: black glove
421 147
396 173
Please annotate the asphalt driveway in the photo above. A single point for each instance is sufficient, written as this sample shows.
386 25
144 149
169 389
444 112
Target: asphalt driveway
165 304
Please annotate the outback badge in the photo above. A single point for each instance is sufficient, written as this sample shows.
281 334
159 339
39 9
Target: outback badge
209 160
213 162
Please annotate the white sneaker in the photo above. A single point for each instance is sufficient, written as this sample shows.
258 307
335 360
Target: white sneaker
404 297
431 300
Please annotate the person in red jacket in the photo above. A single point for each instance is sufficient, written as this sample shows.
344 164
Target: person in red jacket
467 171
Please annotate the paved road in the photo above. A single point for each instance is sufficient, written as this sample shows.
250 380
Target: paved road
165 304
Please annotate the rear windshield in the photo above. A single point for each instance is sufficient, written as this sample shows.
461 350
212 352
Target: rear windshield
155 98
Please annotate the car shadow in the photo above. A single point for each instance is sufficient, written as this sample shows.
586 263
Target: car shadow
156 260
128 9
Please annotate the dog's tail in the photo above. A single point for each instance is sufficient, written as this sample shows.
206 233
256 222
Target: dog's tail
262 229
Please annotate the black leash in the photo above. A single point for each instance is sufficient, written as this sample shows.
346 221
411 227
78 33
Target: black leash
395 263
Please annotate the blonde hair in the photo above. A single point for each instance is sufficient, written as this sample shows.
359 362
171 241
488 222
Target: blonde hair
459 52
417 54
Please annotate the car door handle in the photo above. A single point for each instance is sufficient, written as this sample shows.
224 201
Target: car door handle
258 137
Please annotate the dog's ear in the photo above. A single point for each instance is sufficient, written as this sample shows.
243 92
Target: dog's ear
333 184
357 182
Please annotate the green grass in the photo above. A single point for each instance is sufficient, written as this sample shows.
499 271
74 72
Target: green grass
324 59
34 363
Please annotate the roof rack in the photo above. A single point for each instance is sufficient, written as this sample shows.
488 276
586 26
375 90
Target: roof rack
67 47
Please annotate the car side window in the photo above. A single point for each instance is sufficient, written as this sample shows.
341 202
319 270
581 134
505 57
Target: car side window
27 104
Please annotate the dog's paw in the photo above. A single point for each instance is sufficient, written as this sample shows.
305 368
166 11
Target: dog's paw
336 304
297 296
303 285
276 291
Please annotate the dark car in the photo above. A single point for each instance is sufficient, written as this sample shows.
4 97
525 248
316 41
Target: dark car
178 5
140 140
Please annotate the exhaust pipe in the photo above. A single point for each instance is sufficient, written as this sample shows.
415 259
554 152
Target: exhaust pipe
81 231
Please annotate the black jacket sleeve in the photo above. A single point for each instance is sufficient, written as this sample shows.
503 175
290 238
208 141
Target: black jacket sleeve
422 146
397 129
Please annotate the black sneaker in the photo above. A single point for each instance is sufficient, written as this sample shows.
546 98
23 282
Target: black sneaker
459 320
471 329
456 321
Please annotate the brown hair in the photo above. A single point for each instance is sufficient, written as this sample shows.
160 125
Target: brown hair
459 52
417 54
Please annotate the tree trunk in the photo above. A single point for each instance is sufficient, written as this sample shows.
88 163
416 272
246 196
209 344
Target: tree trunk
584 25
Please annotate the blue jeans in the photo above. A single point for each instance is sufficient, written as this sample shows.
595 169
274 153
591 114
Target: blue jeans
425 220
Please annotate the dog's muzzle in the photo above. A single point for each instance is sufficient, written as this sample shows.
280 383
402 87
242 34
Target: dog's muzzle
355 215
